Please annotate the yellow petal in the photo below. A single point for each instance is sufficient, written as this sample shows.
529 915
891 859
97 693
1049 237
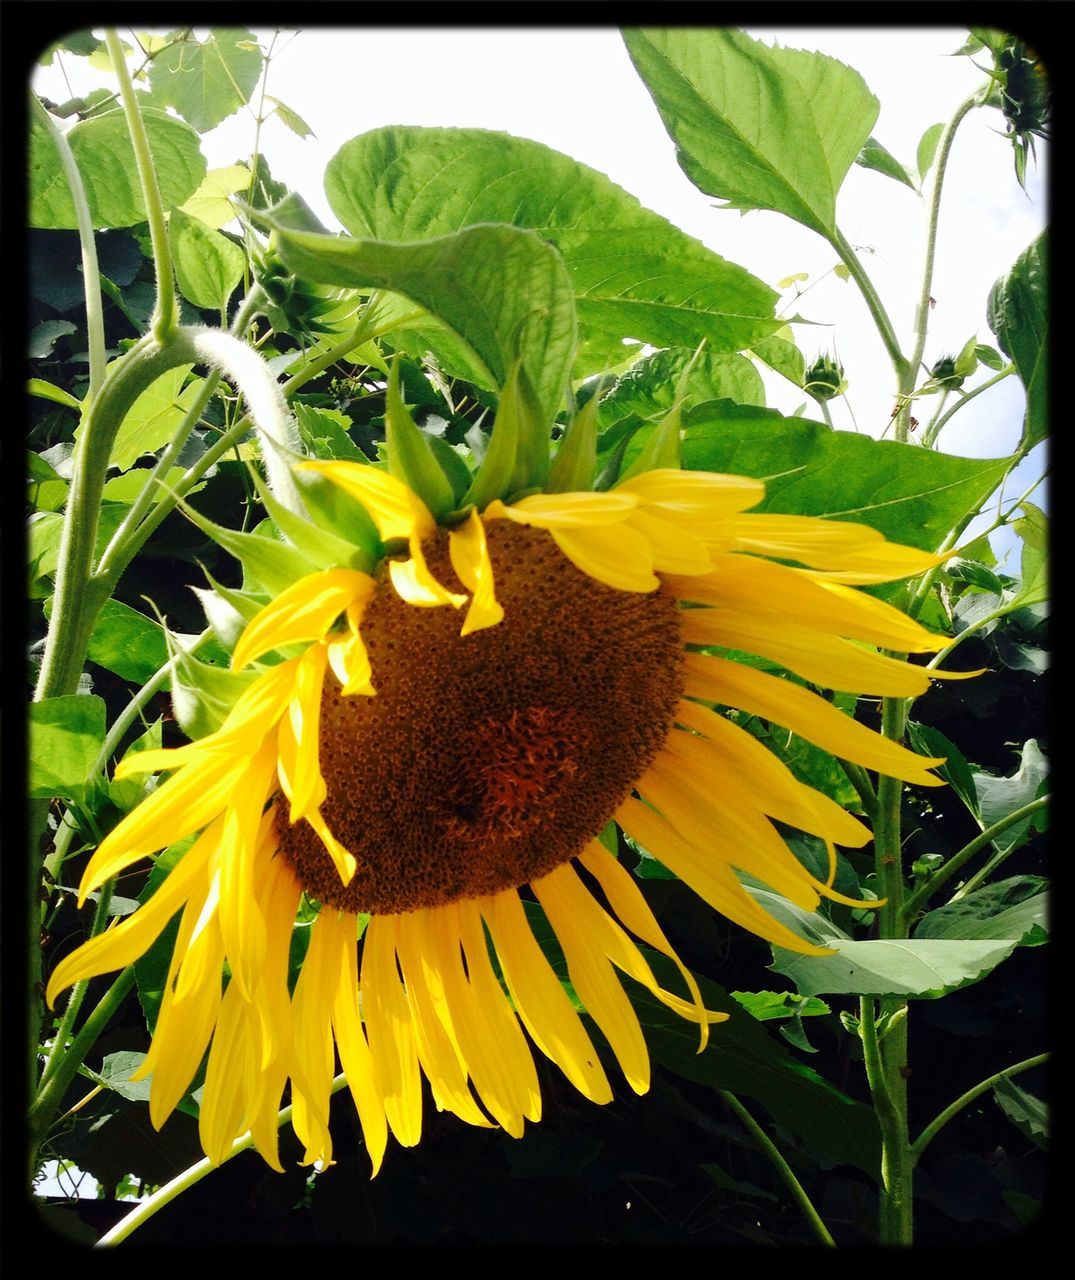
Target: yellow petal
304 712
733 684
416 585
618 556
315 994
830 544
470 560
231 1064
390 1026
304 611
674 550
566 510
396 510
698 495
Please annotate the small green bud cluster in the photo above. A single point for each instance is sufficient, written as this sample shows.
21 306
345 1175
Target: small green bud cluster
825 378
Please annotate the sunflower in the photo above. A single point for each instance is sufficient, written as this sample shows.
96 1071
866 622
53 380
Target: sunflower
425 759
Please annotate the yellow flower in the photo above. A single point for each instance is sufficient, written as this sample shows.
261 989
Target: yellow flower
421 745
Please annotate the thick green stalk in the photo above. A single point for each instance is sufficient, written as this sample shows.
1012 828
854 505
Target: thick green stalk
165 1195
887 1059
166 312
965 1099
91 276
772 1152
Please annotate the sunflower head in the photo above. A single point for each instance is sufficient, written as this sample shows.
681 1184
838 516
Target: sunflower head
444 699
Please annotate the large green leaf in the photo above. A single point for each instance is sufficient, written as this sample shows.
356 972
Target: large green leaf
743 1058
503 291
760 127
102 149
127 642
1014 908
1018 315
208 265
154 417
634 274
209 80
66 735
912 495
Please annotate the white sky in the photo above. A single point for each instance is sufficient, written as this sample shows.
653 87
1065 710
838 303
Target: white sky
576 91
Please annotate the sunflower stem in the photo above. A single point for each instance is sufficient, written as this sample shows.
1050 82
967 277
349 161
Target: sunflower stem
782 1167
886 1061
965 1099
188 1178
860 780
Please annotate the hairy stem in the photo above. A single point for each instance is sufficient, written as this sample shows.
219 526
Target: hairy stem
166 311
935 427
875 305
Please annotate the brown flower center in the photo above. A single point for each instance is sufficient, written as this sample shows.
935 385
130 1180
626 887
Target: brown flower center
487 760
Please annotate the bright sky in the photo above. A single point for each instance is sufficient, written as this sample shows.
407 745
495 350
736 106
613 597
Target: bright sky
576 91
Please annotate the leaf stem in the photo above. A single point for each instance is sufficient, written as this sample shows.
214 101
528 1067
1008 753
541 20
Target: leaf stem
965 1099
51 1095
944 873
782 1167
943 149
874 303
166 1194
166 311
860 780
934 429
91 276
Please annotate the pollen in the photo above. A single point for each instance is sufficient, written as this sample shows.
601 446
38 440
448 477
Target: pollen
485 761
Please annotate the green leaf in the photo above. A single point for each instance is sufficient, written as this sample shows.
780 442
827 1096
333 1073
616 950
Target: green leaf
744 1058
760 127
997 797
208 265
927 149
1014 908
1030 1115
66 736
989 356
105 158
410 455
912 495
632 272
653 384
128 792
503 291
207 82
916 969
1018 315
875 156
128 487
127 642
923 970
291 119
767 1005
929 741
115 1074
154 417
325 432
1033 528
43 338
210 203
780 353
46 390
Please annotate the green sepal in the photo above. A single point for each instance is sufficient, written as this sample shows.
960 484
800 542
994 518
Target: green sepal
338 513
202 694
273 564
662 449
967 360
453 465
573 467
498 466
322 547
226 610
532 433
409 455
